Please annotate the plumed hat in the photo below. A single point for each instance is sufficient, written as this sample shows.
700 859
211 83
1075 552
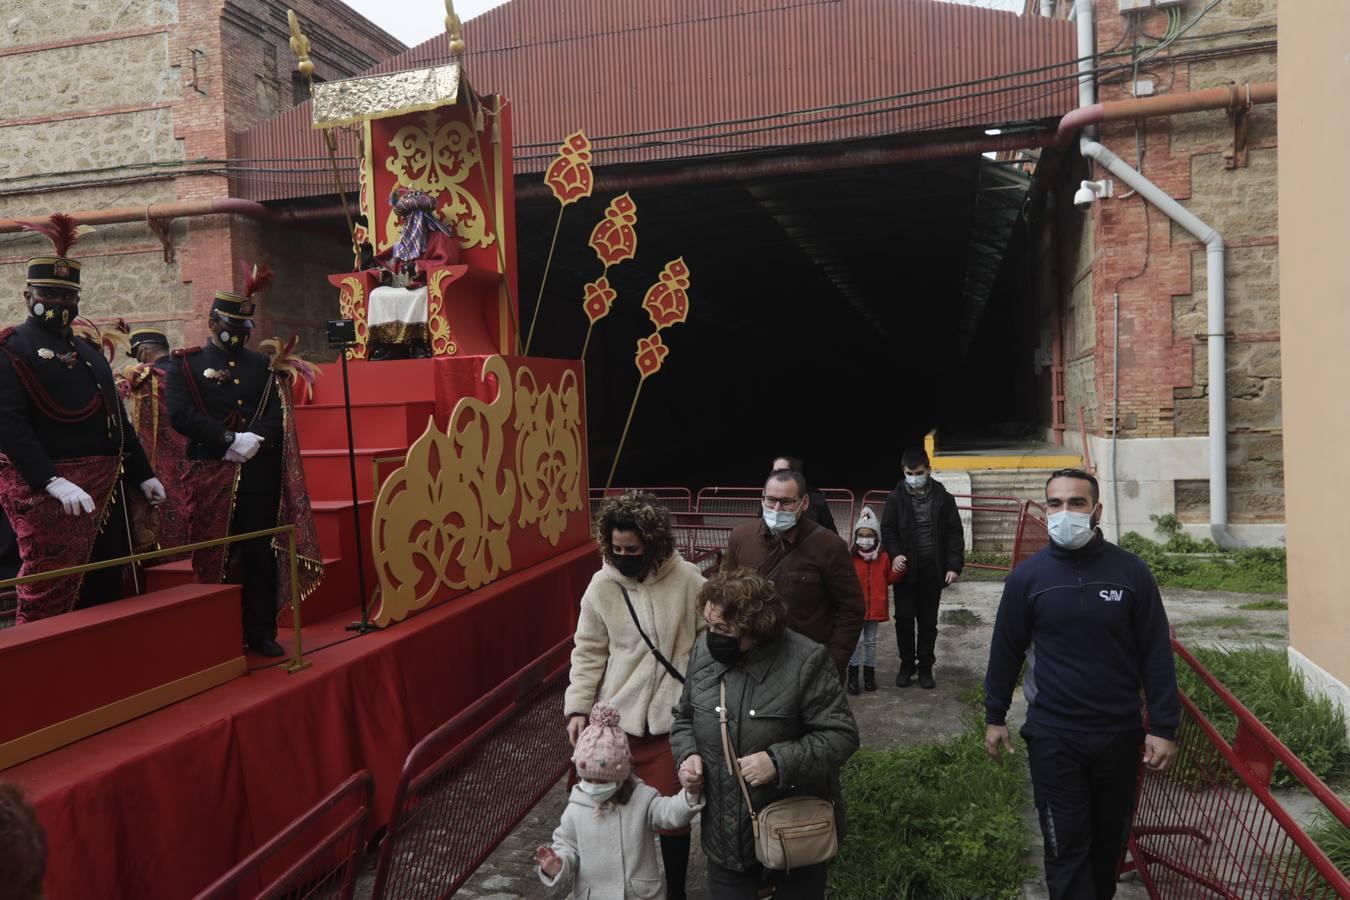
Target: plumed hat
237 309
58 270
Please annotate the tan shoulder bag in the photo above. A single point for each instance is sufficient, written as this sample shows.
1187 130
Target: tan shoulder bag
794 831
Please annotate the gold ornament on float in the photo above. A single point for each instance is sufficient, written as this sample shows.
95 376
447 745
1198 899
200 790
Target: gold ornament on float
548 452
352 305
442 520
438 158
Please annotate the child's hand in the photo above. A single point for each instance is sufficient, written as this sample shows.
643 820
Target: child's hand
691 774
548 862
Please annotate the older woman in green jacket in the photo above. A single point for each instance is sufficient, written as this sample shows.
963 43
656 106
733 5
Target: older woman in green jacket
790 726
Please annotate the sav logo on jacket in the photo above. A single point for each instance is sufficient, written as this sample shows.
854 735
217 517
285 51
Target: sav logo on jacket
1112 596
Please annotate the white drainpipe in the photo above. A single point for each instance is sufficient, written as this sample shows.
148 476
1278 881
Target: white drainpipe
1048 8
1083 11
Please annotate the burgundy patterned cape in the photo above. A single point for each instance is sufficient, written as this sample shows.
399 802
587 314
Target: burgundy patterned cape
210 508
48 538
142 388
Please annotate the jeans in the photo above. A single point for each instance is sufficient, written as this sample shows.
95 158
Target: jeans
865 654
1084 784
804 883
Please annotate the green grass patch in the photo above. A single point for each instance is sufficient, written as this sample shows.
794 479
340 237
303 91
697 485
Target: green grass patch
1271 605
1214 622
1182 561
959 615
933 821
1310 725
1334 839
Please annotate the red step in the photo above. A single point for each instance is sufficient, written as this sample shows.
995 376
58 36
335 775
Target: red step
337 592
410 380
328 476
324 426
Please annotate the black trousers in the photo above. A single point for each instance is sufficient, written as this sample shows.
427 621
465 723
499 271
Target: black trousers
1085 787
254 564
105 585
805 883
916 610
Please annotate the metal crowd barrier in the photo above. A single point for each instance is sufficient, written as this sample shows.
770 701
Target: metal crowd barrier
702 538
675 499
992 524
1032 533
468 784
746 501
327 869
1210 826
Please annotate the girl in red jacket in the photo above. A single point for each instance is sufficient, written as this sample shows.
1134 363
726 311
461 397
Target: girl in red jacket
874 571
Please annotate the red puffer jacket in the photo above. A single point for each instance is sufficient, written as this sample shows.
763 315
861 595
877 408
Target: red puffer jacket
875 577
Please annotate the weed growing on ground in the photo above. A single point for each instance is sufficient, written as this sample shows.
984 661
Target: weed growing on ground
959 616
1328 833
1271 605
1309 724
1184 562
933 821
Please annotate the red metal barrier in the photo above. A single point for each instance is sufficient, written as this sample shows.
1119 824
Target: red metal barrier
675 499
327 869
991 524
747 501
468 784
1210 825
1032 535
842 508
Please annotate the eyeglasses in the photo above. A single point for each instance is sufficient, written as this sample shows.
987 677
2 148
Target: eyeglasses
781 502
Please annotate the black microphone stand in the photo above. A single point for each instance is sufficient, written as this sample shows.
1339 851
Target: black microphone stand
342 336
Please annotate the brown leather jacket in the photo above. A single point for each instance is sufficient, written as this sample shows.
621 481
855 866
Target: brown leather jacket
816 580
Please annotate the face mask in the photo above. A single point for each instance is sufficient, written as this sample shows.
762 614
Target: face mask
599 791
724 648
55 314
866 543
779 520
916 481
629 566
1071 530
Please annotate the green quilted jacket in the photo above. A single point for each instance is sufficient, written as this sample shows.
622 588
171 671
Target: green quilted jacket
784 697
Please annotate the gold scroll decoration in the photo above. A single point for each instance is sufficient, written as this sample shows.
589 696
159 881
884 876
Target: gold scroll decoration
437 157
548 452
352 100
352 305
443 520
441 336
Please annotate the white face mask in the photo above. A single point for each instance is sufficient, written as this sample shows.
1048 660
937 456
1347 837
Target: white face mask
779 520
917 481
866 543
1070 530
599 791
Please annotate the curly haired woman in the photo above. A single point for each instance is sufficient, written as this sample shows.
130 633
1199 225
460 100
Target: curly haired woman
643 583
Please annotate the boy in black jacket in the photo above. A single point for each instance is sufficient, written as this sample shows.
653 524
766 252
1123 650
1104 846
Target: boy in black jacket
921 531
1093 619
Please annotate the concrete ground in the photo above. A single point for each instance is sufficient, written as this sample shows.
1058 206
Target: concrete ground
896 717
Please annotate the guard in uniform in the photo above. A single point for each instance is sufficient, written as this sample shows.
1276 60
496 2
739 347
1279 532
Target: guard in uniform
142 385
224 398
64 442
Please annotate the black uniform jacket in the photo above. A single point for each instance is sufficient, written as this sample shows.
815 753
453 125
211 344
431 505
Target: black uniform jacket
31 433
210 392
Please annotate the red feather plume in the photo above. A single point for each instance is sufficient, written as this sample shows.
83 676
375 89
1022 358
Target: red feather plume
256 278
62 230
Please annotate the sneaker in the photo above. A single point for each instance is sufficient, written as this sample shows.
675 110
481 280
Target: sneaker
926 679
905 678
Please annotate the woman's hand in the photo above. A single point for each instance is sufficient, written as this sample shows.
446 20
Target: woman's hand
574 728
758 769
548 862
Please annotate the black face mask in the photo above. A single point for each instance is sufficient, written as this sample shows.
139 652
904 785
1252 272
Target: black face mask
55 315
724 648
630 566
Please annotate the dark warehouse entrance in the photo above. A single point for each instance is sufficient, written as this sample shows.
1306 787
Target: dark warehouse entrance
836 313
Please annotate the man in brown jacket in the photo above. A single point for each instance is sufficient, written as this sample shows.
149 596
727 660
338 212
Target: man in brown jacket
809 565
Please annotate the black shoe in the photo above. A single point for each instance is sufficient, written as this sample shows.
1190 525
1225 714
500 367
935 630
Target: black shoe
926 679
266 647
869 678
905 678
853 680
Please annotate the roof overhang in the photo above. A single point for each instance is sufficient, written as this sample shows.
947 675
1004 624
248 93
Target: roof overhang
352 100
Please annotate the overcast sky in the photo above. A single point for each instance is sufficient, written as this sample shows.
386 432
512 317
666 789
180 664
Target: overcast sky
414 21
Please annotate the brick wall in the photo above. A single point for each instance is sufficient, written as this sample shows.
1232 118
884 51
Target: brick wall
1125 247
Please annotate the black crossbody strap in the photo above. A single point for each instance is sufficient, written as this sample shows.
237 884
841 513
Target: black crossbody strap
768 576
674 673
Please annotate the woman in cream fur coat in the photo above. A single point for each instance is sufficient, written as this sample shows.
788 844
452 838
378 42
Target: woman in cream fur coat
611 660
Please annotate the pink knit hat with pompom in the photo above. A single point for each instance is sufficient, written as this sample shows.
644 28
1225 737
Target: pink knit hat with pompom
602 750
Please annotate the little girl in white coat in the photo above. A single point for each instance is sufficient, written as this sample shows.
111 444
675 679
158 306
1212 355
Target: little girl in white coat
606 841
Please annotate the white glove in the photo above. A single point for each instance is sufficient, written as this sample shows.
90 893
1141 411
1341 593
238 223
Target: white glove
153 491
231 456
72 497
246 444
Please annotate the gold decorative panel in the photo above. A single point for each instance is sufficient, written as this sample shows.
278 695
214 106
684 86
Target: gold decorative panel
381 96
548 452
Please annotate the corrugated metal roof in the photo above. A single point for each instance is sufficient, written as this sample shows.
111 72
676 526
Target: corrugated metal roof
667 79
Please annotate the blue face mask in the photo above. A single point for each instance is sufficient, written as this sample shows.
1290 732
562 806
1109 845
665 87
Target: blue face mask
1070 530
599 791
779 520
918 482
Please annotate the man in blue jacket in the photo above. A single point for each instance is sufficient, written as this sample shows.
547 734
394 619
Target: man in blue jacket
1089 621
